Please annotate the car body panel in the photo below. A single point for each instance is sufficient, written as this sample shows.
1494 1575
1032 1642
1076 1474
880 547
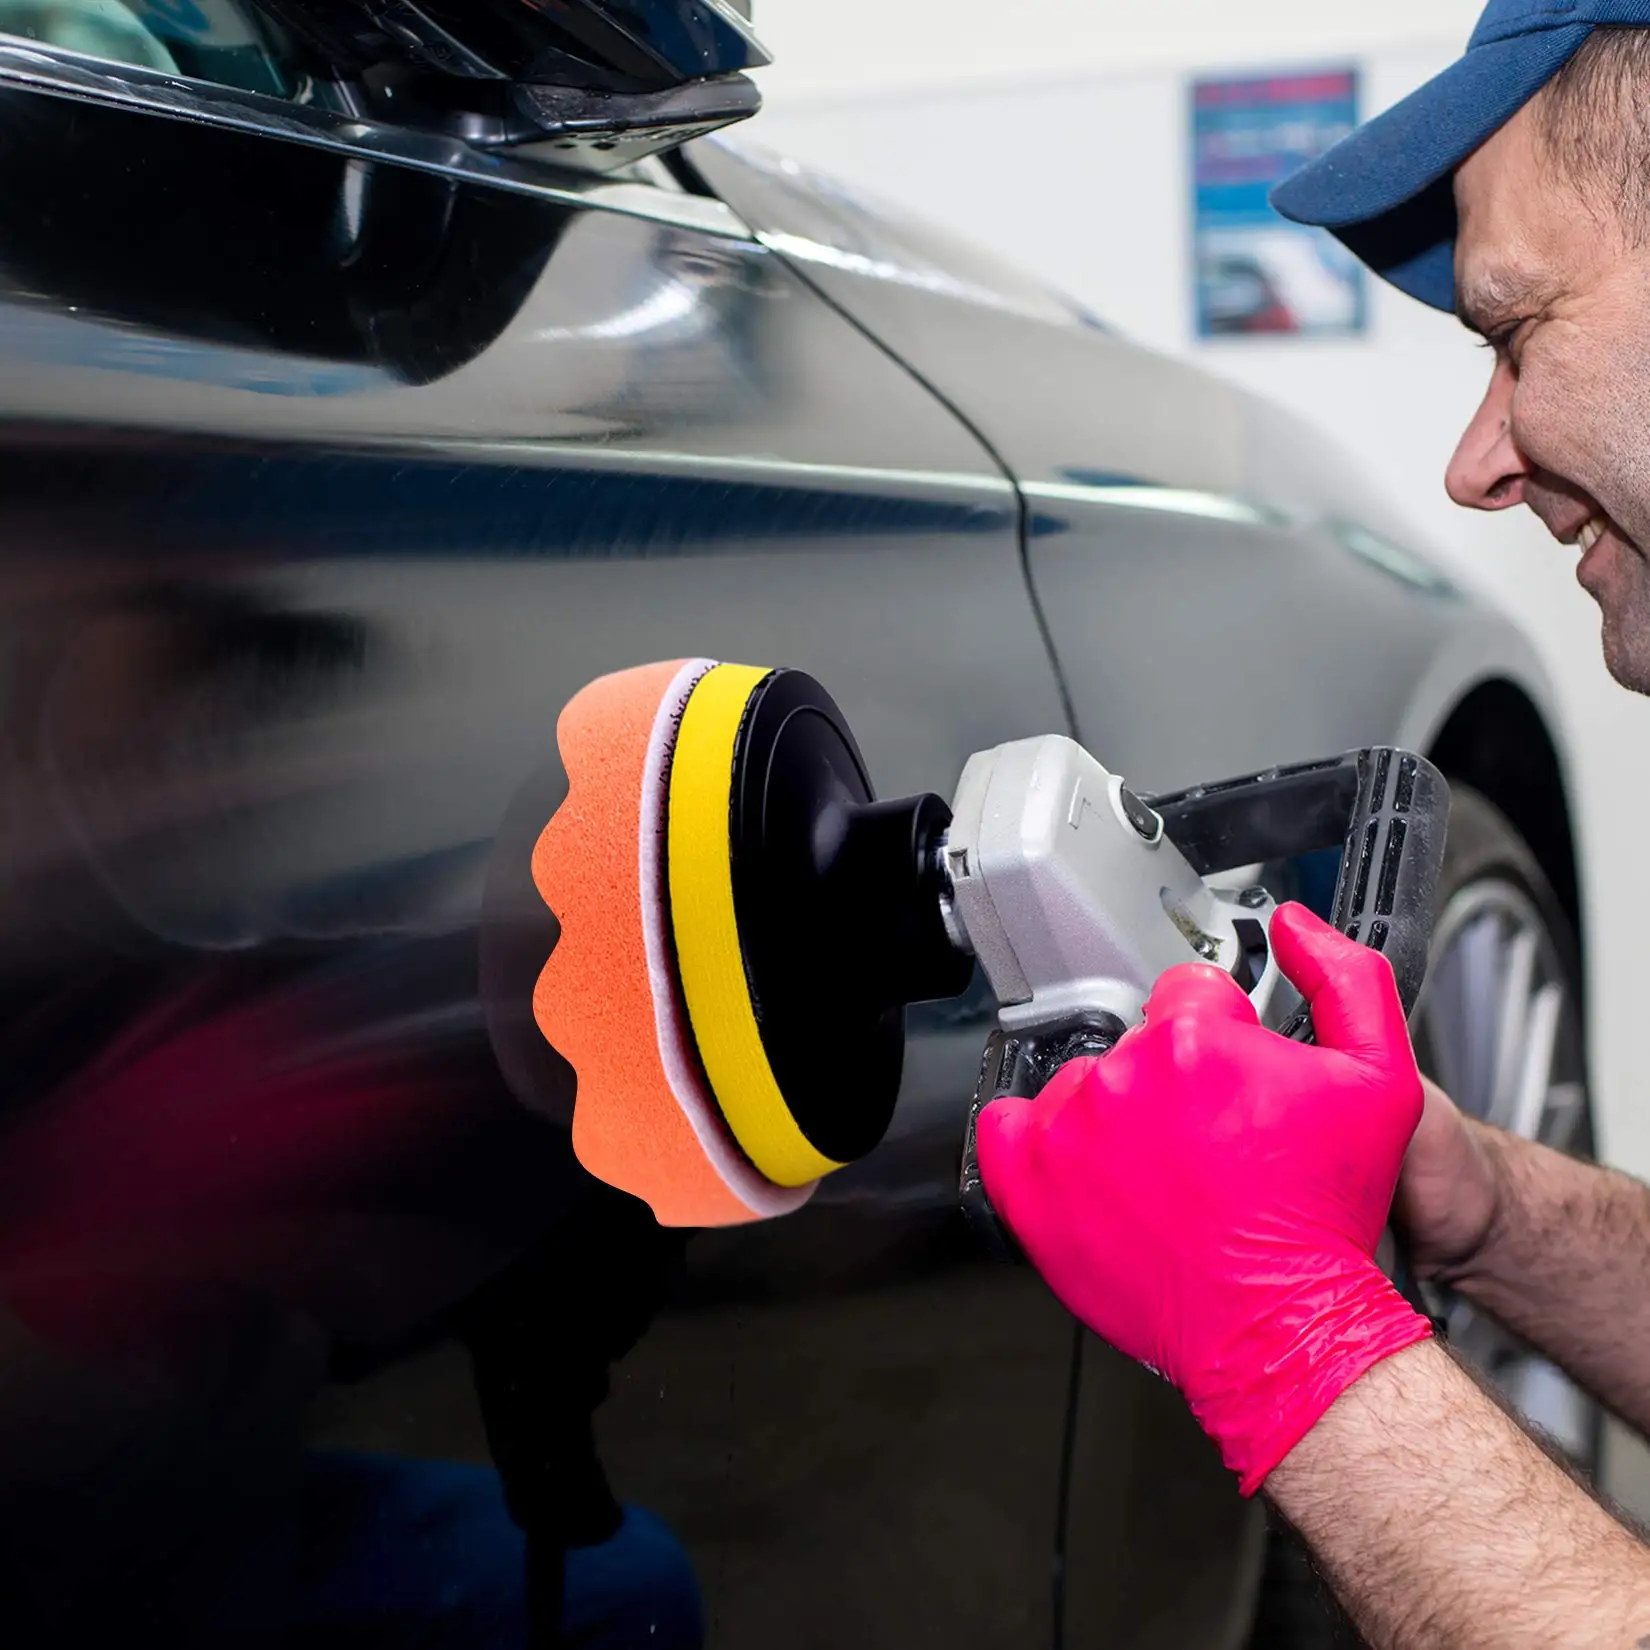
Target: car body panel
285 631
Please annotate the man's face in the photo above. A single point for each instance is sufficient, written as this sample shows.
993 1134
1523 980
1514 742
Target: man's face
1555 284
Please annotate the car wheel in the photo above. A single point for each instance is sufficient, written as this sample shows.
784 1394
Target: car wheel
1499 1027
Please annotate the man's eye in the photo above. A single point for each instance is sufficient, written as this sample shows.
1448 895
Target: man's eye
1505 340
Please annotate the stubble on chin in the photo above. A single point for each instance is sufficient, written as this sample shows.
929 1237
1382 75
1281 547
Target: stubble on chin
1621 584
1626 636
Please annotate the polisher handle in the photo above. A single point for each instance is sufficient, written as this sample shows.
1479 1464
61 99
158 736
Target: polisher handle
1386 809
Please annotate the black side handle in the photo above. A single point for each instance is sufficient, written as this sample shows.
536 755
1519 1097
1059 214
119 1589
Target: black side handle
1387 810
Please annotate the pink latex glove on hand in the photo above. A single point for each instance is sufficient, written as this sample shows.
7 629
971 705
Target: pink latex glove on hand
1208 1196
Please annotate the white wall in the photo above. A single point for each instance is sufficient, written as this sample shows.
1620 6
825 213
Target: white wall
831 48
1032 143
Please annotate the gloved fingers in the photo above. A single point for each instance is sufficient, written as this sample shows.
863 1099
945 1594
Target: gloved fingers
1074 1074
1351 989
1197 989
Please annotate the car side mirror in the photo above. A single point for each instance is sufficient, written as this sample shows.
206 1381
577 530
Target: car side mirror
505 90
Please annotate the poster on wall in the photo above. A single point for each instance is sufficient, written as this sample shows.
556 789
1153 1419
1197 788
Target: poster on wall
1257 273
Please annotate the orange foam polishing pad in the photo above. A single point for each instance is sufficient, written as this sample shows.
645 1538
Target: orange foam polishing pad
644 1120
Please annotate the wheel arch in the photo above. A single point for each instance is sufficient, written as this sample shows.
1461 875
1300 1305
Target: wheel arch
1496 740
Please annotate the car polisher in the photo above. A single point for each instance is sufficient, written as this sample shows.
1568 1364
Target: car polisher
743 923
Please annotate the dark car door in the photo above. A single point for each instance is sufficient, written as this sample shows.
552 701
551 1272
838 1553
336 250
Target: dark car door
323 485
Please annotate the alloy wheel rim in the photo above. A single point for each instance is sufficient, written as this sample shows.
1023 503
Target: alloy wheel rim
1499 1027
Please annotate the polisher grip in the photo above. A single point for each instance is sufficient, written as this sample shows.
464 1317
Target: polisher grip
1386 809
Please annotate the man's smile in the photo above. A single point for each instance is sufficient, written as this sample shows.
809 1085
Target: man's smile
1573 518
1591 532
1575 521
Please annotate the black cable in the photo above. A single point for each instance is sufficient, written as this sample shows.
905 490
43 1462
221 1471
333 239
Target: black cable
1068 1451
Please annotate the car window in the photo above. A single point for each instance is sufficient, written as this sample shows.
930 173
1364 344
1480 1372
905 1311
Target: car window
216 40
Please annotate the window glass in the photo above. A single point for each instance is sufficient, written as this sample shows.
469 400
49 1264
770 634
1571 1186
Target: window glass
217 40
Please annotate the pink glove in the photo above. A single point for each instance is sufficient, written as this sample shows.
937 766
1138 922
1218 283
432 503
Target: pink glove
1208 1196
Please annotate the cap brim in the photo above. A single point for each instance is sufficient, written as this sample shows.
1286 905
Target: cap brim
1386 191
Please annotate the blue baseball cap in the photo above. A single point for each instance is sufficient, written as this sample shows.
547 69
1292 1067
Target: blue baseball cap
1387 191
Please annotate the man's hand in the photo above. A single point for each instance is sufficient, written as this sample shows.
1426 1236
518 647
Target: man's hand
1449 1193
1208 1197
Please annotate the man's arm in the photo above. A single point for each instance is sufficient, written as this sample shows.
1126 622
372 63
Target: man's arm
1555 1249
1439 1523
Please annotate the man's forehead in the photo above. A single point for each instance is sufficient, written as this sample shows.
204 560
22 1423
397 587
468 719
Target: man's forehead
1510 226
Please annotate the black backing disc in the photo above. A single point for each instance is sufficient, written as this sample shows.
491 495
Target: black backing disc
837 898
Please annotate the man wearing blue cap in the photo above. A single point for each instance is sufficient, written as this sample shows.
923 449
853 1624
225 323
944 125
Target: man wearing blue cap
1208 1198
1514 189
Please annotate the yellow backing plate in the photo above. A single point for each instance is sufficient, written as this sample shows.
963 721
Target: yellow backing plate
707 932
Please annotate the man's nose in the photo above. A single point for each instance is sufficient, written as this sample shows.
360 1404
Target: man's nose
1488 471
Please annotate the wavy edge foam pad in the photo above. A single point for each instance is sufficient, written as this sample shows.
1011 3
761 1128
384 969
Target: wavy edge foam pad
607 1000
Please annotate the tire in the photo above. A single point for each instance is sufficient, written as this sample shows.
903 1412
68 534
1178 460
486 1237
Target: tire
1499 1026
